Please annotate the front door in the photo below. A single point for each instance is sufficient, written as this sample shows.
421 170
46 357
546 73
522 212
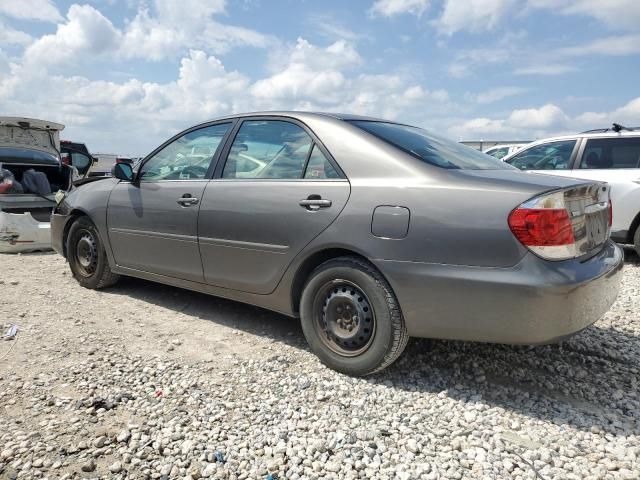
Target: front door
153 222
278 190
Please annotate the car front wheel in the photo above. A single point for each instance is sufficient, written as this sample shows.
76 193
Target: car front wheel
87 257
351 318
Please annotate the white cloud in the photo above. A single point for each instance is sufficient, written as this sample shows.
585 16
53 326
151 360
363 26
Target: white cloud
548 120
495 94
43 10
628 115
389 8
547 117
172 28
11 36
86 32
617 14
519 124
473 15
617 45
466 61
169 30
134 116
549 69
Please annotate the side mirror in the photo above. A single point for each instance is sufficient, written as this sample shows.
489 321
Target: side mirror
122 171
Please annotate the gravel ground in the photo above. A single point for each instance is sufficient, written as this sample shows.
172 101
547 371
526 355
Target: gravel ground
149 381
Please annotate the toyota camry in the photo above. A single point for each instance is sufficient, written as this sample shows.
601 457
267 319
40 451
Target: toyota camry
370 231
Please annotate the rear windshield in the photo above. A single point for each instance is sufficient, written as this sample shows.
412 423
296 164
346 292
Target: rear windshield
26 156
430 148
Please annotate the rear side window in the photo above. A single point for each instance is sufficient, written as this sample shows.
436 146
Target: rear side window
429 148
268 149
607 153
546 156
319 167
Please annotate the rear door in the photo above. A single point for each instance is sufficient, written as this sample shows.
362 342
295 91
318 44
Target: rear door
277 190
153 222
615 160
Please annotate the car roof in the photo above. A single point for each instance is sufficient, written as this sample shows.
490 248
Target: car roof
301 115
504 145
599 134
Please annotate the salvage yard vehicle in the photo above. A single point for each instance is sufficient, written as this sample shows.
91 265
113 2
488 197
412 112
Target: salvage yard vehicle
501 151
31 172
368 230
610 155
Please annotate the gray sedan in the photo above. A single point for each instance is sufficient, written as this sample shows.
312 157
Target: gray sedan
370 231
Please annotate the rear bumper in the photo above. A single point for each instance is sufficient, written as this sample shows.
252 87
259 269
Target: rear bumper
58 226
20 232
620 236
534 302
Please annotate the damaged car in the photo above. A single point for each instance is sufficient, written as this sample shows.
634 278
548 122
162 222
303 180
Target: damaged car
31 172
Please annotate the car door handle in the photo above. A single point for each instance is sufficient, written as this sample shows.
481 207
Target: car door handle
315 203
187 201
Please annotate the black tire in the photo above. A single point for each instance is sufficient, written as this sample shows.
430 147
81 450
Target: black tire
636 240
87 257
348 289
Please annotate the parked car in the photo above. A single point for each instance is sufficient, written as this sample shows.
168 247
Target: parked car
75 154
370 231
31 172
500 151
105 162
610 155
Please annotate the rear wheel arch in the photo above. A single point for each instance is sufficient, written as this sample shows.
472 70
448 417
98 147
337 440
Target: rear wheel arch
73 216
313 261
633 228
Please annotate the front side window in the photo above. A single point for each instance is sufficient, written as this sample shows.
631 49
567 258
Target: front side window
611 153
546 156
499 152
430 148
268 149
187 158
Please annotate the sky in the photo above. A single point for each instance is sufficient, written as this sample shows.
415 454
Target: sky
125 75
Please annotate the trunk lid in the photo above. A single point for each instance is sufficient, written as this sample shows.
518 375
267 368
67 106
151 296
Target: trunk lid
587 204
29 141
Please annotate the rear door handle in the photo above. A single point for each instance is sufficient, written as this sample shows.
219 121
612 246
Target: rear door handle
315 203
187 201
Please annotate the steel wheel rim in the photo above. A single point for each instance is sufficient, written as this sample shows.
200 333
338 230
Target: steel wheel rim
344 319
86 254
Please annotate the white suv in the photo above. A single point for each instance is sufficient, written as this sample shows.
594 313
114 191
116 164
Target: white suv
611 155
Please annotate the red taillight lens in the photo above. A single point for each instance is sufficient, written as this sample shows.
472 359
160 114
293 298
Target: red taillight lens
542 227
610 213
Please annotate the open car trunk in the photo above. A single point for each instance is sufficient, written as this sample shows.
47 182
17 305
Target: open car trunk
31 173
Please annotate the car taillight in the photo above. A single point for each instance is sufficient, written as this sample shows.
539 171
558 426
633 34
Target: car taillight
544 226
66 158
610 213
541 227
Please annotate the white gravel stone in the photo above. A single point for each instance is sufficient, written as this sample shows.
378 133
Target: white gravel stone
241 406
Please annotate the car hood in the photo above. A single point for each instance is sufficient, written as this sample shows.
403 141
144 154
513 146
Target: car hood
29 141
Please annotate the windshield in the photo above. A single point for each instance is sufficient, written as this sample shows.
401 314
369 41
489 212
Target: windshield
430 148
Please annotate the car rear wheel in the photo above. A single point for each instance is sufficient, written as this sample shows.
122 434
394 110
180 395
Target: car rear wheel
636 241
87 257
351 318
